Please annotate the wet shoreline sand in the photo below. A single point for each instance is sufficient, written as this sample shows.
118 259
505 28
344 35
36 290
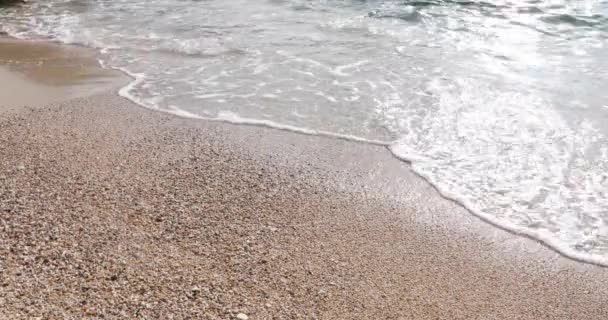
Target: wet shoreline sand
35 73
109 210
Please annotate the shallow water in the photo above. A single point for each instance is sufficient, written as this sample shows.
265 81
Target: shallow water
502 105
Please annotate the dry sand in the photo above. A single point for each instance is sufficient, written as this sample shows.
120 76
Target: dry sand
111 211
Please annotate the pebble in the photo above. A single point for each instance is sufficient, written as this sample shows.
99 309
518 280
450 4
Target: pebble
242 316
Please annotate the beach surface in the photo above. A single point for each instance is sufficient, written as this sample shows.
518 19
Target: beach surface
112 211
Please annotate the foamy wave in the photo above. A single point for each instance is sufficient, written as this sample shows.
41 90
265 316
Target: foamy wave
515 163
547 238
231 117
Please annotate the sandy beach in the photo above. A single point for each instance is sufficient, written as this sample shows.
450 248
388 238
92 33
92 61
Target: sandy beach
112 211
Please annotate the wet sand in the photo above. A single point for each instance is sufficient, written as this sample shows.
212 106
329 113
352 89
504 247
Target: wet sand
36 73
112 211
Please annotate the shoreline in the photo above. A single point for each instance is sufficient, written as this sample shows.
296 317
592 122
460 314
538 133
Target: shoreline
138 213
132 79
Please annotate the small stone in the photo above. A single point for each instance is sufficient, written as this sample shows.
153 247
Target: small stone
242 316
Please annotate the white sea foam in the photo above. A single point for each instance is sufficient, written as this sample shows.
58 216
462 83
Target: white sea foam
228 116
515 163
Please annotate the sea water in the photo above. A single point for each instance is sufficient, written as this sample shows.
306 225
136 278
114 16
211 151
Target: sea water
502 105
